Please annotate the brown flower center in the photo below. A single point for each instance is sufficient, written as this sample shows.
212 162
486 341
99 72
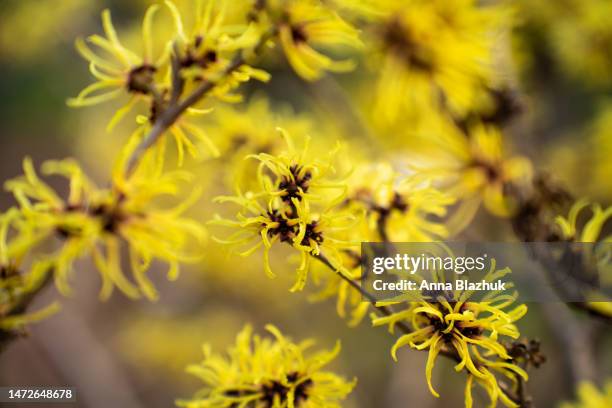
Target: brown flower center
140 79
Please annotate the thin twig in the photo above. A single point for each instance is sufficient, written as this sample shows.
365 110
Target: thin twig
173 112
177 79
523 398
176 108
382 309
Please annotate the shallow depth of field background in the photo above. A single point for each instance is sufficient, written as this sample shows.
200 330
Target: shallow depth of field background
132 354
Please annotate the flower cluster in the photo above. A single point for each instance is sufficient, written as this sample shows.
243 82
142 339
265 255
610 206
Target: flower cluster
207 53
204 54
467 331
435 70
209 56
263 372
296 204
118 70
400 209
304 26
434 54
474 168
186 62
95 221
389 208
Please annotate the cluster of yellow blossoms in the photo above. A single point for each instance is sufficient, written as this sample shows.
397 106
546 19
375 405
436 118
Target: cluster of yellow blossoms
468 331
95 221
475 169
437 70
203 56
366 206
296 203
206 54
433 54
264 372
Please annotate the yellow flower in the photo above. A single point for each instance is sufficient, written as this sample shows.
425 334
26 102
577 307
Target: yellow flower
16 286
295 204
310 234
466 329
590 397
399 210
151 231
303 27
94 221
474 168
432 53
203 56
207 50
263 372
393 209
295 176
118 70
